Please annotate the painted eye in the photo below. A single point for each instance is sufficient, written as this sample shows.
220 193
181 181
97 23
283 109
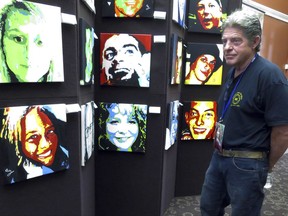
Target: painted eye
212 63
18 39
200 7
209 115
211 5
204 60
132 122
50 132
194 113
129 52
39 42
33 138
109 55
113 122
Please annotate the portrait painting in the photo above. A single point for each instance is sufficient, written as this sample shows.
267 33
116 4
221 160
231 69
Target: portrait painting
207 16
125 59
90 4
179 12
204 64
176 59
122 127
86 53
199 120
33 141
87 131
173 123
30 43
127 8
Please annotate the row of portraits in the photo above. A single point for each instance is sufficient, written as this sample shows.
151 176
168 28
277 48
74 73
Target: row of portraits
205 16
122 126
31 49
33 139
126 61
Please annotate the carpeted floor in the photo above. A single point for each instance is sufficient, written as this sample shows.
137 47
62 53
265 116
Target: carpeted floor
275 203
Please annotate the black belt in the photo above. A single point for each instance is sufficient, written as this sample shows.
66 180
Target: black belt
243 154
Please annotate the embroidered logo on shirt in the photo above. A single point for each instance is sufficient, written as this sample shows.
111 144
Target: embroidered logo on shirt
237 99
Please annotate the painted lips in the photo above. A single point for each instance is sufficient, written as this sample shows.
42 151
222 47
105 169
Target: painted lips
44 155
199 130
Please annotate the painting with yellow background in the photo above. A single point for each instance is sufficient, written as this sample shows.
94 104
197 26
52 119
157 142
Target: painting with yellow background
204 64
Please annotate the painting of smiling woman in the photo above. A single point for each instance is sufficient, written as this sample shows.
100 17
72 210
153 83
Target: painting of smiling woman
122 127
32 139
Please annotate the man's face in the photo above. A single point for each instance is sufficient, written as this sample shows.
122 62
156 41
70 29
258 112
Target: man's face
203 67
237 49
209 14
201 119
26 46
121 57
127 8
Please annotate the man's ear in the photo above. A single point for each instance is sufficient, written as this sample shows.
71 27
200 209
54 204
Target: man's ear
256 41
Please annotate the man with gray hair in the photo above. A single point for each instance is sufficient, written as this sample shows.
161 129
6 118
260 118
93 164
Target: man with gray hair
252 129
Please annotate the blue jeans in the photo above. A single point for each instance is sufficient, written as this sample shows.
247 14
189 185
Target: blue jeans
235 181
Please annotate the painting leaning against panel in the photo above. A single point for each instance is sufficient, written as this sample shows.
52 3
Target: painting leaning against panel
32 141
176 59
179 12
173 122
86 53
87 131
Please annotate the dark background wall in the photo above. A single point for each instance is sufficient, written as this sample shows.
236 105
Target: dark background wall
65 193
129 183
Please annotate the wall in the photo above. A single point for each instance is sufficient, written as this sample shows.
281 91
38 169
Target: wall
131 183
275 34
279 5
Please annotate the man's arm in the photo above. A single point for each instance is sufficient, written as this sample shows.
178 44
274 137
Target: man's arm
279 144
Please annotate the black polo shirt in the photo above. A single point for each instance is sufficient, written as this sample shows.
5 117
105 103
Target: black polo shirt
259 102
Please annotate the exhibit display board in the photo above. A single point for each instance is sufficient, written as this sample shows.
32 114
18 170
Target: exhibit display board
119 81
